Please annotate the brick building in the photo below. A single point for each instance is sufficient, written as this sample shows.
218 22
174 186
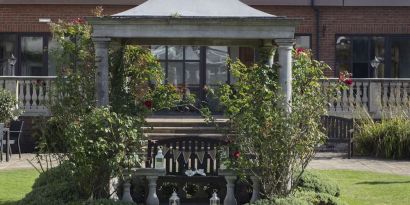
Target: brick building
351 33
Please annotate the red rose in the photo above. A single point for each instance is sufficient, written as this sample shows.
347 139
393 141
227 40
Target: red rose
300 50
148 104
236 154
348 81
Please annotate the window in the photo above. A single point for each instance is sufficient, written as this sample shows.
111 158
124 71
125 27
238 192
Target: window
30 50
303 41
356 53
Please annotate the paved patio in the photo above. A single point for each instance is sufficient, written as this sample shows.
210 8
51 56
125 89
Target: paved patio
331 161
322 161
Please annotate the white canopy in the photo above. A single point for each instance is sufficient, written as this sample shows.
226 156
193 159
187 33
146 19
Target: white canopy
197 8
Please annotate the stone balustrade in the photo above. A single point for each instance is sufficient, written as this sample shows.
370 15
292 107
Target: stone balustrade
377 96
32 92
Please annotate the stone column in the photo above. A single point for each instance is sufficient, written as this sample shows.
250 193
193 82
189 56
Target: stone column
230 190
152 198
126 195
101 77
256 189
285 47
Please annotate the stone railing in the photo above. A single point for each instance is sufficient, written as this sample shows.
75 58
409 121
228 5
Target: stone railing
32 92
376 96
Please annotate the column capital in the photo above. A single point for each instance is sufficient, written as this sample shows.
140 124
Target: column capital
285 42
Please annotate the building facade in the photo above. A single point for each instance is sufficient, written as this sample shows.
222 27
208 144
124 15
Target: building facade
346 34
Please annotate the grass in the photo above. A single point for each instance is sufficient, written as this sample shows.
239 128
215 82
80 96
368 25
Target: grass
15 184
358 188
368 188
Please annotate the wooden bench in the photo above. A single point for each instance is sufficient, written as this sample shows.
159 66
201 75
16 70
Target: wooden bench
339 130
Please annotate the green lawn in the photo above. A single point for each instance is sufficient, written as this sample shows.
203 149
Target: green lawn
14 184
358 188
367 188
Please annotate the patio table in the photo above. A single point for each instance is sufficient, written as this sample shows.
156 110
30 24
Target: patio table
7 131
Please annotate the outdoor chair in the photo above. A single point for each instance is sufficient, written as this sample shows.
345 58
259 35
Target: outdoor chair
16 128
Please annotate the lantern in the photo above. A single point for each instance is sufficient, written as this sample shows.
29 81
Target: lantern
174 199
215 199
159 160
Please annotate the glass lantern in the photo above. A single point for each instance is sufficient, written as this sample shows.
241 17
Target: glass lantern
215 199
174 199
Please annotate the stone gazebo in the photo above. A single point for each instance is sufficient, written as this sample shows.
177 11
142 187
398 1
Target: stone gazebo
194 22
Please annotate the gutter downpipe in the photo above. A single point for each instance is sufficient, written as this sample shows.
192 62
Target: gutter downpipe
317 14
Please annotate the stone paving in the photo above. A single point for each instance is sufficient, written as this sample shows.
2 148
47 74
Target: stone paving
324 161
332 161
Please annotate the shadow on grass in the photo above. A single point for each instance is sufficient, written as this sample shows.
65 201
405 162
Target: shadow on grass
383 182
8 202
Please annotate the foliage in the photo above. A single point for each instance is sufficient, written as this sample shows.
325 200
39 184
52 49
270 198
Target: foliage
318 183
104 144
100 142
276 145
53 187
387 138
8 106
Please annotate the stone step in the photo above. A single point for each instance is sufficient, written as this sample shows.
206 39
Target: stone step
163 136
192 130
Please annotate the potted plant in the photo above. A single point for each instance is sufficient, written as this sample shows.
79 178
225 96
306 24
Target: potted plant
8 108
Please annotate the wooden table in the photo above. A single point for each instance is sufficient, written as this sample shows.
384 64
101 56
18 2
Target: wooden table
7 131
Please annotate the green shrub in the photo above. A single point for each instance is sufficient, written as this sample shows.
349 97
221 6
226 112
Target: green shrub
388 138
53 187
8 109
317 183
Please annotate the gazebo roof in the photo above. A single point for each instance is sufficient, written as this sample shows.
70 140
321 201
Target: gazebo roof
193 22
193 8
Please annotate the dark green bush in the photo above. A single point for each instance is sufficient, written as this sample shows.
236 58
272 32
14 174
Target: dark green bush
53 187
388 138
317 183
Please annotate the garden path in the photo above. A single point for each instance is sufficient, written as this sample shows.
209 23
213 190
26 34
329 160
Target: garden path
322 161
332 161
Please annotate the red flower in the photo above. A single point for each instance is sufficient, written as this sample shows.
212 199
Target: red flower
348 81
299 50
78 21
148 104
236 154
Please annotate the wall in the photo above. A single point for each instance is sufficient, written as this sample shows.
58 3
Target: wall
334 20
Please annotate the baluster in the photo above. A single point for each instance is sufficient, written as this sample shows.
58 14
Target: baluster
405 99
21 94
338 101
27 98
351 97
385 99
358 97
345 103
365 98
391 95
398 94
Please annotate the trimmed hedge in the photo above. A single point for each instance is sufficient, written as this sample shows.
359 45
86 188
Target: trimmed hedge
318 183
57 187
53 187
313 189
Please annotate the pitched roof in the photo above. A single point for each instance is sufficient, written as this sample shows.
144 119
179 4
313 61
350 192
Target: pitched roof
193 8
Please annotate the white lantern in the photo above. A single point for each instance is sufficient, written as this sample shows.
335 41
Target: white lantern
174 199
215 199
159 160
